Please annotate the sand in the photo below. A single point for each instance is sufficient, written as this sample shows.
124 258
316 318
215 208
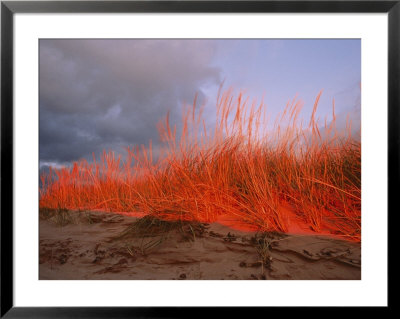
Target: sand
87 247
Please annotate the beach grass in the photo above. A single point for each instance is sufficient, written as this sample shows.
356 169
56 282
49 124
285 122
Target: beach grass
267 176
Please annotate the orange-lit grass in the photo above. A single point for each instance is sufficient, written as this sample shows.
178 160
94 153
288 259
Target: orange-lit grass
270 179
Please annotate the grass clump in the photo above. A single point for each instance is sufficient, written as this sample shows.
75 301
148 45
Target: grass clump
263 176
149 232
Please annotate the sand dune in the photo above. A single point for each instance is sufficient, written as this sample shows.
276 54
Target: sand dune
89 246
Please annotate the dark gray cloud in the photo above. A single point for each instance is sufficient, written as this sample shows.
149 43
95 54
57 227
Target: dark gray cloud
108 94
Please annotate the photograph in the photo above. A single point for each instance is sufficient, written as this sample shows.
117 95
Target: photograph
199 159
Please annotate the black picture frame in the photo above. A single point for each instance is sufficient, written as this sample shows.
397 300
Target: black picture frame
9 8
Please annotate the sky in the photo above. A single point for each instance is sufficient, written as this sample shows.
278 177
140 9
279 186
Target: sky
97 95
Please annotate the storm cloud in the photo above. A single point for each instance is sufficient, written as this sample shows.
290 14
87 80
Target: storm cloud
109 94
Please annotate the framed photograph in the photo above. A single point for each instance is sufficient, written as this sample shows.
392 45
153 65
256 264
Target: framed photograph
158 156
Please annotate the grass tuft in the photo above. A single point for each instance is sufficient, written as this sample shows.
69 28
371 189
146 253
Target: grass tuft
152 232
